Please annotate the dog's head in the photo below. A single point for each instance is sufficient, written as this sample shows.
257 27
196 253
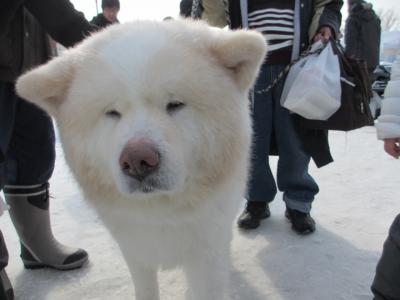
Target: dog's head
149 106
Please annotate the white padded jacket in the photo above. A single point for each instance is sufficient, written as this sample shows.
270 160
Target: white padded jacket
388 125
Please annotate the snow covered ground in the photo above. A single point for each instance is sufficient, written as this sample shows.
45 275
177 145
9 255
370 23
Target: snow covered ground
358 200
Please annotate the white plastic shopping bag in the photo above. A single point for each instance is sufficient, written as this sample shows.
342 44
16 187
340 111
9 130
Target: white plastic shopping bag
312 88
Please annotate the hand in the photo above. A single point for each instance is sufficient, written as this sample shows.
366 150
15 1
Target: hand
323 34
392 147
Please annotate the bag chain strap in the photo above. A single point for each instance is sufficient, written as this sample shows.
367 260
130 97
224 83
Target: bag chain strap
305 53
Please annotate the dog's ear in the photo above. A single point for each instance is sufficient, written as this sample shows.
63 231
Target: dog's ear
46 85
242 53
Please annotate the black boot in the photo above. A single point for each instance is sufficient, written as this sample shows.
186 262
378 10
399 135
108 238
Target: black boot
29 212
6 290
253 214
302 223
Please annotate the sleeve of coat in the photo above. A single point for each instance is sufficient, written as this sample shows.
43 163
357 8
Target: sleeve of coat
351 35
388 125
61 20
327 13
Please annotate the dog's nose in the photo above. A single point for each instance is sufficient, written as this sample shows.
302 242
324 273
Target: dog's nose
139 159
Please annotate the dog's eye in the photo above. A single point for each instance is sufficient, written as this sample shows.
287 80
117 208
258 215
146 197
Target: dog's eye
174 106
113 114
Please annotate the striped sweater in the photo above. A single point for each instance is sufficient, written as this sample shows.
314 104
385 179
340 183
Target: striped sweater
275 20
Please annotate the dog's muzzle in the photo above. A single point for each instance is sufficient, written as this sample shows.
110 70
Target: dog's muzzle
139 159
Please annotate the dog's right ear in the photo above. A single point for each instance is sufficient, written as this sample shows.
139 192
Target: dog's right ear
242 53
46 85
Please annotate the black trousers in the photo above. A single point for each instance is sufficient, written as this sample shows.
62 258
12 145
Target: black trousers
27 140
27 145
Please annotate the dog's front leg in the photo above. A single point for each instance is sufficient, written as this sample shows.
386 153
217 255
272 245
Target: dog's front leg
207 278
145 281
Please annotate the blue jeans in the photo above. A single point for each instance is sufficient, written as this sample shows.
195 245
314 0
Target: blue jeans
28 143
271 120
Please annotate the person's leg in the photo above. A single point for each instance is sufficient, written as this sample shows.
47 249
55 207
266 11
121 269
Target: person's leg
6 117
30 162
299 188
386 284
6 290
6 120
3 248
7 112
261 184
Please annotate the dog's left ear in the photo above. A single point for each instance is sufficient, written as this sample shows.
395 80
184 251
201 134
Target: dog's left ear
242 52
47 85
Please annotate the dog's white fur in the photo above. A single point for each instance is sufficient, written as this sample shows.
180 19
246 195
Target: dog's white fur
137 69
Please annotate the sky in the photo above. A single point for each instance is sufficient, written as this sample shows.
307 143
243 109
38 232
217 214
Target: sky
158 9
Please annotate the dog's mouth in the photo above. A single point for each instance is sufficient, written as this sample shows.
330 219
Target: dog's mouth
148 185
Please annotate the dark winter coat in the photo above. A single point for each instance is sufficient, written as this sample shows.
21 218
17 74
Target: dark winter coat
23 43
311 16
35 50
386 285
58 17
363 34
101 21
185 8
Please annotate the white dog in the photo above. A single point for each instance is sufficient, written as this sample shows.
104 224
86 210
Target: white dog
154 122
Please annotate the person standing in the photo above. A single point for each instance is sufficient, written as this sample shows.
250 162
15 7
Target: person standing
363 34
289 26
186 9
109 14
386 283
27 140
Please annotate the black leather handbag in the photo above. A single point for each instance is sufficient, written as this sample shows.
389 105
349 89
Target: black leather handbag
354 111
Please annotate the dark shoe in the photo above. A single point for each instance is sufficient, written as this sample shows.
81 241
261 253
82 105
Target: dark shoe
253 214
302 223
6 290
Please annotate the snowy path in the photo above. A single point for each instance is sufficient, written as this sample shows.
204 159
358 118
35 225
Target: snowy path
359 198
